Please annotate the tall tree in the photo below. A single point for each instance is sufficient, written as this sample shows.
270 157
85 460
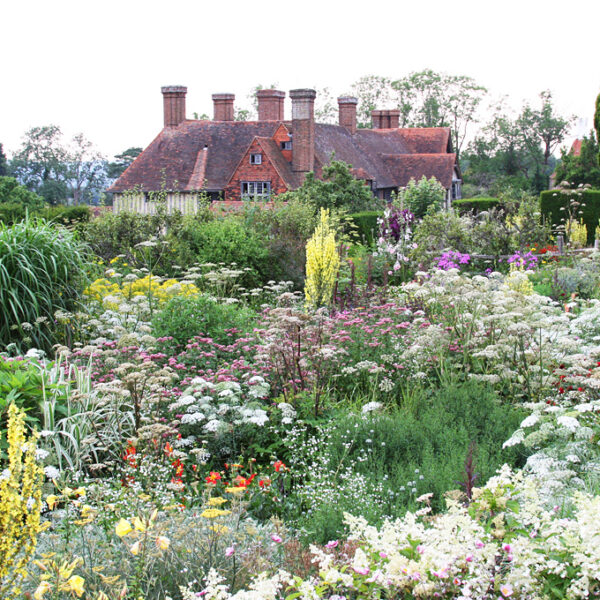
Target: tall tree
87 170
582 167
543 128
597 122
372 91
121 161
3 163
41 164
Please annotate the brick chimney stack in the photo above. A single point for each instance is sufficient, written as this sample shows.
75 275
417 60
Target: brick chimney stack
223 106
385 119
303 130
173 104
270 105
347 112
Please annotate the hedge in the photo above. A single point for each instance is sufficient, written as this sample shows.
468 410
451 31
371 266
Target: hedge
366 225
12 212
552 201
475 204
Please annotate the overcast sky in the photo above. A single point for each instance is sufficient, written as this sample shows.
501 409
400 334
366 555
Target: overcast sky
97 67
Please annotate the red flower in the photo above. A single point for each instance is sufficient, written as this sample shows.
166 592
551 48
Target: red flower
263 483
213 477
168 449
278 466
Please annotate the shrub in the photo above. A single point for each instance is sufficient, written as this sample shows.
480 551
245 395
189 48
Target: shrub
420 198
12 212
555 207
378 464
42 271
224 240
13 193
475 204
67 215
367 226
183 318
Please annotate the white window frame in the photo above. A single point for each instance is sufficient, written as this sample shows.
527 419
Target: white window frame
255 190
256 158
286 145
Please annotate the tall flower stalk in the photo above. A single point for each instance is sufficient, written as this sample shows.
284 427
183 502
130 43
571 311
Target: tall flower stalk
322 263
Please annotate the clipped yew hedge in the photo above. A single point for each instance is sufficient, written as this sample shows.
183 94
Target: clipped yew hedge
554 205
476 205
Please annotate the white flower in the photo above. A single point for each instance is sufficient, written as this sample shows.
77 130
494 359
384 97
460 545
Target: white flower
530 421
569 423
51 472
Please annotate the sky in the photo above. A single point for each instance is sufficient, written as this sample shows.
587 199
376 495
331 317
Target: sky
97 67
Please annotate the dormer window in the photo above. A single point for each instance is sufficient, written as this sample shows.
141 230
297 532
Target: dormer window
256 159
286 145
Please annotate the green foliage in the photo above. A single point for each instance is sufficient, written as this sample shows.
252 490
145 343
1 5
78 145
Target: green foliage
67 215
185 317
42 271
121 161
225 240
475 204
398 456
597 122
582 168
555 204
13 193
12 213
3 163
338 189
426 196
366 225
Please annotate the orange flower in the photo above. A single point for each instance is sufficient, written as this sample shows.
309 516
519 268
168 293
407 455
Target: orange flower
213 478
279 465
168 449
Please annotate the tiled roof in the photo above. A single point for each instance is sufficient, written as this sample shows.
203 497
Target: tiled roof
182 157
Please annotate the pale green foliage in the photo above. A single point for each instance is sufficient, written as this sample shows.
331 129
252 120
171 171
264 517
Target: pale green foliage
426 196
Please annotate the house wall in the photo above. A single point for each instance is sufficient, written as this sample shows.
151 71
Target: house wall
185 202
247 172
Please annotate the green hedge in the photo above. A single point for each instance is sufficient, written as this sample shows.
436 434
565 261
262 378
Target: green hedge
552 201
12 212
475 204
366 225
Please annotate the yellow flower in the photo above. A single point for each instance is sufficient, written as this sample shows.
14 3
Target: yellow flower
217 501
51 501
235 490
139 524
211 513
67 491
80 491
75 584
162 542
135 548
41 590
219 528
123 527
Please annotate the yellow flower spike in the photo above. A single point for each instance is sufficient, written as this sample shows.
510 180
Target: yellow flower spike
75 584
135 548
123 527
162 542
42 589
51 501
139 524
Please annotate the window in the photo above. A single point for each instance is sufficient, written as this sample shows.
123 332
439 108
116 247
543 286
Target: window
256 159
256 190
286 145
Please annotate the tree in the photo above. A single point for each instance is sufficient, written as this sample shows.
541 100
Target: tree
326 110
337 189
582 168
372 91
542 128
430 99
87 170
41 164
13 193
597 122
3 163
121 161
421 198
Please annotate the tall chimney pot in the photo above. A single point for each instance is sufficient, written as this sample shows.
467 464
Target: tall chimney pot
347 112
223 107
173 104
270 105
303 130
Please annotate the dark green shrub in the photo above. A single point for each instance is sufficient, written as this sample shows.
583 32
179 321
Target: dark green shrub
182 318
225 240
67 215
475 204
42 270
11 212
555 205
409 452
12 192
366 226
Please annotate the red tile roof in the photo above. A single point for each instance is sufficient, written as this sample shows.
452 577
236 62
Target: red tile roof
182 157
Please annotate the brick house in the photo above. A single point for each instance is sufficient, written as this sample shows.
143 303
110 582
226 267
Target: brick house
233 161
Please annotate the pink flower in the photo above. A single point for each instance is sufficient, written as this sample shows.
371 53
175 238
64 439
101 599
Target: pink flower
506 547
361 570
332 544
383 555
230 551
506 590
276 538
420 549
479 544
469 558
